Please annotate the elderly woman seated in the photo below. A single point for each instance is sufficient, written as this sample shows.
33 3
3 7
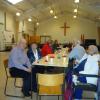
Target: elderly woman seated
34 55
87 65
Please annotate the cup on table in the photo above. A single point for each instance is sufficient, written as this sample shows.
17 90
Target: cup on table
47 58
59 56
64 59
51 60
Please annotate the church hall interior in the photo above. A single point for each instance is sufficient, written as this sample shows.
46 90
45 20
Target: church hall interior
39 22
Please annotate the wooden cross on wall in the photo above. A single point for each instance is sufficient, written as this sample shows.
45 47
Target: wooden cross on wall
65 28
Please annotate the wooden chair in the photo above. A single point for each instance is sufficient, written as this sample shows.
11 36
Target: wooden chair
50 85
7 78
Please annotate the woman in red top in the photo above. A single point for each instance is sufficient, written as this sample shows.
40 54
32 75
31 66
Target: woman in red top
47 48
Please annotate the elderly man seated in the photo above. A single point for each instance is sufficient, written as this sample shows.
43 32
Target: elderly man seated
19 66
87 65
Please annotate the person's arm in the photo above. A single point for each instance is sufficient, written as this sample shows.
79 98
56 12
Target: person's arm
14 57
80 67
43 51
39 54
30 56
28 63
72 54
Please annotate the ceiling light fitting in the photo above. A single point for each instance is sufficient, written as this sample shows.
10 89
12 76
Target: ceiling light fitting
76 1
55 17
14 1
75 10
74 16
29 19
18 14
51 11
37 23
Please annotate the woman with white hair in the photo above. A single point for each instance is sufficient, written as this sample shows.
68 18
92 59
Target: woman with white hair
88 65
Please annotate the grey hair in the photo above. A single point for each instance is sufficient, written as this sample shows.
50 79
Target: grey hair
77 42
93 49
21 40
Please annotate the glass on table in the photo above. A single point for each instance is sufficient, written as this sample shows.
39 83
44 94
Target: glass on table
64 59
51 60
58 55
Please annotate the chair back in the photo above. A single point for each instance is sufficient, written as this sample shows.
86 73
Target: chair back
50 79
6 67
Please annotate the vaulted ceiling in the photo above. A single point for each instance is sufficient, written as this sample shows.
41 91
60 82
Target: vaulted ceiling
39 9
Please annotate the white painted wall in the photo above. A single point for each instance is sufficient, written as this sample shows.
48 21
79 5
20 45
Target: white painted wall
1 30
26 27
10 22
52 27
1 20
77 27
10 28
29 27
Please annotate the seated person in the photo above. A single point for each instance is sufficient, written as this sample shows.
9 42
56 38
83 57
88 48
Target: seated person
55 45
87 65
20 66
33 53
47 48
77 51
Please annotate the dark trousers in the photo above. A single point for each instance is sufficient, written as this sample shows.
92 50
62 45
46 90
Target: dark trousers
22 74
35 70
27 77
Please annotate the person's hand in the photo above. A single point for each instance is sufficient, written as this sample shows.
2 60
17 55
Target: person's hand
35 62
74 79
76 62
28 70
